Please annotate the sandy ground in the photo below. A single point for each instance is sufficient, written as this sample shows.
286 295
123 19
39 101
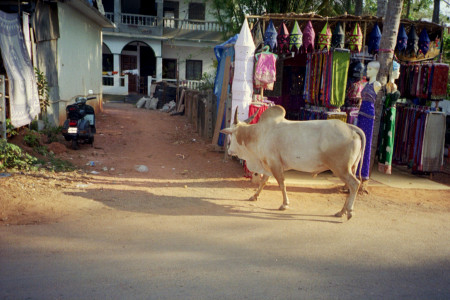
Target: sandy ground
127 138
184 230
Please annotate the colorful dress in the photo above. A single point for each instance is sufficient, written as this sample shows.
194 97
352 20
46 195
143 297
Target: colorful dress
387 133
366 117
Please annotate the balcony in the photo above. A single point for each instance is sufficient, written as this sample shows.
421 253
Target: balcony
134 20
201 25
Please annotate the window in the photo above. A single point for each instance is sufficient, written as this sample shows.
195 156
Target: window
196 11
194 69
169 70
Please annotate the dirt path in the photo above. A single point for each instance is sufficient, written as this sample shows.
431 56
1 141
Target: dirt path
182 229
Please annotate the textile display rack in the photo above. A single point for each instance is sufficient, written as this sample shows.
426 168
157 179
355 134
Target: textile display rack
314 67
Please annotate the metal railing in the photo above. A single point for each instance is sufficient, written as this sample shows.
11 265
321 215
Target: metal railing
193 24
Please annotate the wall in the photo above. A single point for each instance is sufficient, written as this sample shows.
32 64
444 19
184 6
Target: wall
79 57
190 50
184 10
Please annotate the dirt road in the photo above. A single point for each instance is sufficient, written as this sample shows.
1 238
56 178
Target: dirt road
183 230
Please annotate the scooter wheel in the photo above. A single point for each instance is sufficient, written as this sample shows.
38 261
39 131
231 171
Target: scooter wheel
75 145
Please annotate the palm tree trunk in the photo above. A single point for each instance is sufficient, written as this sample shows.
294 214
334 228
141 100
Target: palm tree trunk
436 11
381 8
358 7
387 45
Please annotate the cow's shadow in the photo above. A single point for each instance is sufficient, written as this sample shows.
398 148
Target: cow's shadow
144 202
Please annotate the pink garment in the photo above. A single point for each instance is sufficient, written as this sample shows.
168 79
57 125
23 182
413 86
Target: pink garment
265 70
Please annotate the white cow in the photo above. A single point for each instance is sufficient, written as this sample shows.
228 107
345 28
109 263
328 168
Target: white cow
275 145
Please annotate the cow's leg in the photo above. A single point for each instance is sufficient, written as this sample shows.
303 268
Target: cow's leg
353 185
279 176
262 184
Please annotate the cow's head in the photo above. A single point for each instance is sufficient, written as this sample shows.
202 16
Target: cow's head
237 136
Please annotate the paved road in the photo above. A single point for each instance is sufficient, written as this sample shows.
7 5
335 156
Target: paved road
211 245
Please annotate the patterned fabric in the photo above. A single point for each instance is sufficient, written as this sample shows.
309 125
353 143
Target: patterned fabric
341 62
325 37
439 82
283 40
413 42
424 42
374 40
387 133
257 35
338 37
354 92
270 37
365 122
295 38
308 37
338 116
432 158
355 40
265 70
402 39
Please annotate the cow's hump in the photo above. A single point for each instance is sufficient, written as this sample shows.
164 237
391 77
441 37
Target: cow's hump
273 114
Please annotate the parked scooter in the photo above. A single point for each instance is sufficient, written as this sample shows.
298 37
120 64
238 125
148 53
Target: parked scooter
80 124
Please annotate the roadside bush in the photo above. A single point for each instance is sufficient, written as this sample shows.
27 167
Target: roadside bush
12 157
32 138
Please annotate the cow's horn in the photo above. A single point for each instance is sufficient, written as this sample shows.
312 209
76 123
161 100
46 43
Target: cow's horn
236 116
252 117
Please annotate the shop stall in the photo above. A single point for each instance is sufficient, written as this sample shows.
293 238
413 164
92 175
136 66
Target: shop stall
321 68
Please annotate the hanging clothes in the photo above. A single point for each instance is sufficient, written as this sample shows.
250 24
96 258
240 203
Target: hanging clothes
354 93
340 64
265 70
432 158
365 121
387 132
439 82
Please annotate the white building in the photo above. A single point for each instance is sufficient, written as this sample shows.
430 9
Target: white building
154 39
66 42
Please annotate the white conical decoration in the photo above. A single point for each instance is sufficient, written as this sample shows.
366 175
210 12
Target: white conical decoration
242 90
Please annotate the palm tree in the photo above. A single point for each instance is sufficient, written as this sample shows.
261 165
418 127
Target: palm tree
387 44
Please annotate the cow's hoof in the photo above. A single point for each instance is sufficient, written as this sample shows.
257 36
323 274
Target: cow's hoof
253 198
349 216
284 207
339 214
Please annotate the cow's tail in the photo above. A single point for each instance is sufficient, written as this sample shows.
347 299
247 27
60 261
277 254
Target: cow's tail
363 146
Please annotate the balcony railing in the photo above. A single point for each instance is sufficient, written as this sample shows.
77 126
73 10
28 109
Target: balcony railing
135 20
139 20
152 21
192 24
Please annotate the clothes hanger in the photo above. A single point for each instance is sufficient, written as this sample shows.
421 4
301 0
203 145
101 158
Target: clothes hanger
265 50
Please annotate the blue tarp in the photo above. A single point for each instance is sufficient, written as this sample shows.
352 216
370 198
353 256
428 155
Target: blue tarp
222 51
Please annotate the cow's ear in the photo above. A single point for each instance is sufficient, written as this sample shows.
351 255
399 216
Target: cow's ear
226 131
